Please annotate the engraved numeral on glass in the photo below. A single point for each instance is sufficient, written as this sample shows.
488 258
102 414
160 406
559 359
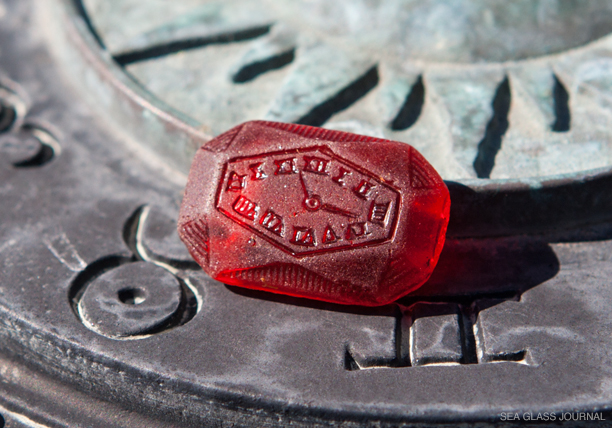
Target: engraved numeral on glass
364 189
342 174
357 230
273 222
246 208
286 166
257 171
329 236
303 236
316 165
379 212
236 182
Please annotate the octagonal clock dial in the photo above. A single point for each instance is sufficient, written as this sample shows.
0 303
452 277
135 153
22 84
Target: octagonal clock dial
308 201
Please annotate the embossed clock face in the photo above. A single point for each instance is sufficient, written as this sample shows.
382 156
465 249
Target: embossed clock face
308 201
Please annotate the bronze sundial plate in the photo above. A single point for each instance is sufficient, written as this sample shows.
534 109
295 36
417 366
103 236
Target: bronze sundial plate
514 319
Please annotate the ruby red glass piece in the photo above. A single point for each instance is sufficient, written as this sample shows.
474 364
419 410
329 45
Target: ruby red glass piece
314 213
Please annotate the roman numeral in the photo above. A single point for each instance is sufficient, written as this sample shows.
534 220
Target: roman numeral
273 222
246 208
378 212
364 189
303 236
236 182
342 174
316 165
357 230
257 171
329 236
286 166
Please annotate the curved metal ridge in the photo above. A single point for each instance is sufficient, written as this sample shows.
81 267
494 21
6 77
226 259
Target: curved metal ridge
480 208
169 132
530 206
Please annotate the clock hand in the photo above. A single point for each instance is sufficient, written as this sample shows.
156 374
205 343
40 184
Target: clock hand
306 192
313 202
336 210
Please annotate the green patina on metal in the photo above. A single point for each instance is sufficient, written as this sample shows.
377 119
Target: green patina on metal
357 63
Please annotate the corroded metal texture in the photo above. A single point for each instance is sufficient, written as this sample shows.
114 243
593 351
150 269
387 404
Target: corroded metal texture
225 62
521 117
513 324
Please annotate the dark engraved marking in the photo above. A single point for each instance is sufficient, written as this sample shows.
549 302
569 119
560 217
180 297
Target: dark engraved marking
286 166
357 230
44 155
342 100
254 69
316 165
236 182
245 207
329 236
342 174
364 189
303 236
562 111
379 212
496 128
411 110
174 46
518 356
8 115
84 15
31 135
467 317
349 361
273 222
258 172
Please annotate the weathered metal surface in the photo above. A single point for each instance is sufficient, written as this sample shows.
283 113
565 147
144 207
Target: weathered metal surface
435 335
132 299
520 123
462 50
533 317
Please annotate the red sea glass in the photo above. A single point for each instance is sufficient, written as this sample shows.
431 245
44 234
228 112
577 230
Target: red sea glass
314 213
